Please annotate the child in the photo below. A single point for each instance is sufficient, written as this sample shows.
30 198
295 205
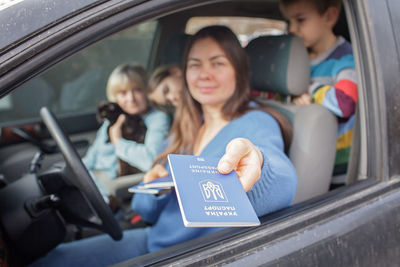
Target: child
165 86
333 77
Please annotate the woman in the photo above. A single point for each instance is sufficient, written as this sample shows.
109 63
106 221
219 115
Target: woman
213 119
127 86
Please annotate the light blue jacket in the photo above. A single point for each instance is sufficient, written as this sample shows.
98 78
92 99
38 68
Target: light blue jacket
104 156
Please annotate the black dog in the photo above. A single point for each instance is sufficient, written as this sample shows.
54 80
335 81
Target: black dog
132 129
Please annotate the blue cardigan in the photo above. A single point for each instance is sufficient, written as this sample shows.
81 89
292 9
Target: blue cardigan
275 189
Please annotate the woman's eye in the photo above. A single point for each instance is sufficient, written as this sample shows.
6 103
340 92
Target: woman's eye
300 20
193 65
218 63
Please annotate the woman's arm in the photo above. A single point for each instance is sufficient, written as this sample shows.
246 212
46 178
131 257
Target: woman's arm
89 160
264 170
142 155
147 205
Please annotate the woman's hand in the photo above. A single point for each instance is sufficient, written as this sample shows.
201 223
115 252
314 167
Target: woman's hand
245 158
303 100
156 172
115 131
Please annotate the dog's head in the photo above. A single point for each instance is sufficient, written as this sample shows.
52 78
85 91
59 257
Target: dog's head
108 111
132 129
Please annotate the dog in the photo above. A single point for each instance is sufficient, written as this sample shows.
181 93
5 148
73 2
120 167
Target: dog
132 129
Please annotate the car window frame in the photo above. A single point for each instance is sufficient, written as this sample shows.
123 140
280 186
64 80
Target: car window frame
375 140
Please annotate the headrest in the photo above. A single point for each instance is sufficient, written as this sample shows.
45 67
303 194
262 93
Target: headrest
174 49
279 64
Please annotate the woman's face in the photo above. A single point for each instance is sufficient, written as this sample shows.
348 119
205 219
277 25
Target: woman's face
210 75
168 92
132 100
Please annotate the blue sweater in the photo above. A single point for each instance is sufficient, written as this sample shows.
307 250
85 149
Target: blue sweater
275 189
104 156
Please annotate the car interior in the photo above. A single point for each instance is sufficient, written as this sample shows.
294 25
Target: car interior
31 148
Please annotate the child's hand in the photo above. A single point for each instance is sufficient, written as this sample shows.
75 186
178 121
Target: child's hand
156 172
303 100
115 131
245 158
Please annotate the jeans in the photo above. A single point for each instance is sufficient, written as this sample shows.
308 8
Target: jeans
99 250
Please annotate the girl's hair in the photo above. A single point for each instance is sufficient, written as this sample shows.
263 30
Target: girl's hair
159 75
188 115
123 77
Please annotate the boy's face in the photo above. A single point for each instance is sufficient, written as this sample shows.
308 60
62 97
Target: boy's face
306 22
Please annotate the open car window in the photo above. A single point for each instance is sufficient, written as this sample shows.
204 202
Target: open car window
78 83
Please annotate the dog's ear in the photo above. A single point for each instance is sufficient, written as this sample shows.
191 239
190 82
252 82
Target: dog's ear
101 111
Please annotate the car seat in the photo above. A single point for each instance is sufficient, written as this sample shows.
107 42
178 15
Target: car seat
280 65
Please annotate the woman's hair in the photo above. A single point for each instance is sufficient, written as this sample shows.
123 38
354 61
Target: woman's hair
188 115
123 77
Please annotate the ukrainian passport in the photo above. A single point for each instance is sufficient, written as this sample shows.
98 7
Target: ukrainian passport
208 198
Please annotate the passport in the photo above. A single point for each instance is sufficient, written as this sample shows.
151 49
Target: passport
153 187
140 189
208 198
165 182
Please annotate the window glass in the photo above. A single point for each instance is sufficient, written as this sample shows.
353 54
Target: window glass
79 83
245 28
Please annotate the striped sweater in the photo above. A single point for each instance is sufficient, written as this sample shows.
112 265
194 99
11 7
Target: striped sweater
334 86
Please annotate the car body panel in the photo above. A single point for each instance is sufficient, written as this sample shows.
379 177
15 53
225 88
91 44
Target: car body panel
19 19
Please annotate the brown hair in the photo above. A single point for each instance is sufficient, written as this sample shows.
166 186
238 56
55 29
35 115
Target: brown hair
158 76
321 5
187 119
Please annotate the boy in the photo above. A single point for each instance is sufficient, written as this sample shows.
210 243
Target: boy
333 77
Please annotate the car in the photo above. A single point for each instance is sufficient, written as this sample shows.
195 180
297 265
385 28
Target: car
57 54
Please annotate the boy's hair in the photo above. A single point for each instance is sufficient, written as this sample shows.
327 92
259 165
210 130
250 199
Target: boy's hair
320 5
122 77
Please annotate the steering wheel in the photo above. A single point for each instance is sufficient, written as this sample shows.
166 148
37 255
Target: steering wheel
81 176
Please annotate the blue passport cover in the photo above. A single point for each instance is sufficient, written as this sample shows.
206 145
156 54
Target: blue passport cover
208 198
